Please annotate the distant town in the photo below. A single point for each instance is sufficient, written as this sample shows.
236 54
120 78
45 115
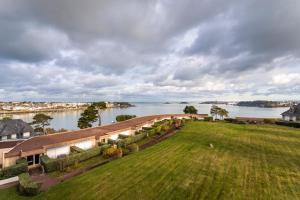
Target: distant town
28 107
259 103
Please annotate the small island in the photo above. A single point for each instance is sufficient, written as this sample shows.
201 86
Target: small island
265 104
184 102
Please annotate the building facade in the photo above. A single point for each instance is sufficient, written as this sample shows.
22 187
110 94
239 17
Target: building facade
293 114
14 129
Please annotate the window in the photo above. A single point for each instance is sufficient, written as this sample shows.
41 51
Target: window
4 137
103 140
37 159
26 135
30 160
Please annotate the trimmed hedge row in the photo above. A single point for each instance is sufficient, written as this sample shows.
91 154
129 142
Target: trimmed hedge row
208 119
75 149
121 118
51 165
131 139
20 167
28 187
287 123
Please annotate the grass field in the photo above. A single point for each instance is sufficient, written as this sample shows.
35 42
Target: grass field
247 162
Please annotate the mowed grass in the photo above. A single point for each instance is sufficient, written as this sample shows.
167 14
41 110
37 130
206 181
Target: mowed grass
246 162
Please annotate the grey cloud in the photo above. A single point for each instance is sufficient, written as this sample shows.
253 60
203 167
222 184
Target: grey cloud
119 49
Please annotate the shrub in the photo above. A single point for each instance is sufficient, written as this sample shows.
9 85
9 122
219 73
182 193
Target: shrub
121 118
125 151
61 163
111 141
190 110
14 170
288 123
28 187
269 121
121 136
112 152
133 148
147 128
75 149
208 119
131 139
21 160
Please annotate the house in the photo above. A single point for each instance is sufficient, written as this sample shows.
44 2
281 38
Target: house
293 114
59 144
15 129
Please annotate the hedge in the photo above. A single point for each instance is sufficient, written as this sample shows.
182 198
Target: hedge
133 148
120 118
121 136
28 187
208 119
14 170
131 139
112 152
75 149
60 163
288 123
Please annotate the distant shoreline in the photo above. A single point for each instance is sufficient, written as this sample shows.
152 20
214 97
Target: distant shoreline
14 112
40 111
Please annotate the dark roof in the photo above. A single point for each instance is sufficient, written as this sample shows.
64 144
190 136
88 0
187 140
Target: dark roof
39 142
294 111
9 144
14 126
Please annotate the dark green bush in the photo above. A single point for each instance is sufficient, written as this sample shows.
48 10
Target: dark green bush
147 128
133 148
269 121
125 151
121 118
28 187
288 123
14 170
21 160
208 119
121 136
111 141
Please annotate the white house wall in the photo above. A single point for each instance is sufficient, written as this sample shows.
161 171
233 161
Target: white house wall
55 152
87 144
114 137
128 132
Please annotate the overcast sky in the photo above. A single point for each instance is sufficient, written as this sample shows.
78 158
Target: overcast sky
147 50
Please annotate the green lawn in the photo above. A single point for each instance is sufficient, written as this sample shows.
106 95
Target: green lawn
247 162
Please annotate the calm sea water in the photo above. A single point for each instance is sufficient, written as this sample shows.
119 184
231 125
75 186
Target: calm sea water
68 119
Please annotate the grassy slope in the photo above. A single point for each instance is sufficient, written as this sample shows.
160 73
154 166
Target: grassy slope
247 162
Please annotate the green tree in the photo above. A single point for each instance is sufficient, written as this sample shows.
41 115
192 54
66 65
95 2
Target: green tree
223 113
214 111
190 110
120 118
6 118
99 106
89 116
41 121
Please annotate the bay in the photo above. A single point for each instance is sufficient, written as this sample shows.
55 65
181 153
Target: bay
68 119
